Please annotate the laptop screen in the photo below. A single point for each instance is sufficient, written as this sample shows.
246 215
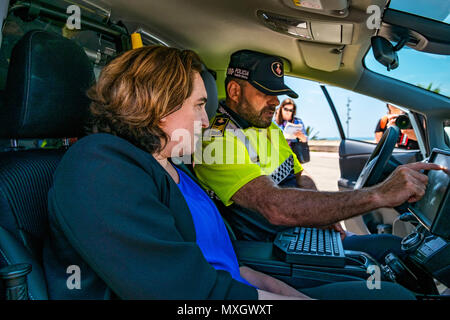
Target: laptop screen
427 208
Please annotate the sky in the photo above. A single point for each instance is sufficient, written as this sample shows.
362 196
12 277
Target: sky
433 9
415 67
313 109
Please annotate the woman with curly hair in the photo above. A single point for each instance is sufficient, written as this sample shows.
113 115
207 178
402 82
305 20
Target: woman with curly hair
137 225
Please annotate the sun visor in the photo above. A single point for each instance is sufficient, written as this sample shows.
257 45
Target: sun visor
321 56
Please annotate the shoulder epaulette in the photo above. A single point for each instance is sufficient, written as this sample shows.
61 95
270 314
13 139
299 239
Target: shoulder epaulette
219 125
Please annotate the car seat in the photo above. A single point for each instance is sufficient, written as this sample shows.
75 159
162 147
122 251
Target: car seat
46 85
45 97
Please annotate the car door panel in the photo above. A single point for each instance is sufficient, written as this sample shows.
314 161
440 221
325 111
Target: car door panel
353 155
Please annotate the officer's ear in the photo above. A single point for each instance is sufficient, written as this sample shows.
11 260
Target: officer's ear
234 91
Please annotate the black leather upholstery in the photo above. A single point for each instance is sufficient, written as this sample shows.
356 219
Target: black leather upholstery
46 86
47 79
45 97
25 178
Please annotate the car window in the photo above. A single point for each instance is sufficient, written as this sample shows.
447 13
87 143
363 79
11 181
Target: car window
364 118
426 70
432 9
313 109
359 115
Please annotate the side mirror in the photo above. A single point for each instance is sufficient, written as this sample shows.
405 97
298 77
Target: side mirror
384 52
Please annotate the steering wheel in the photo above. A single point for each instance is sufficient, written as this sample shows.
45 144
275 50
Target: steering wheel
378 160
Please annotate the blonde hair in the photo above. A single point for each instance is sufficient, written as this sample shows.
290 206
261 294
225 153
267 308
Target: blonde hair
139 88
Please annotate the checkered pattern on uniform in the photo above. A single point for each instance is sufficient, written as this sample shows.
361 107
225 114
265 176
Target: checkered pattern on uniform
281 173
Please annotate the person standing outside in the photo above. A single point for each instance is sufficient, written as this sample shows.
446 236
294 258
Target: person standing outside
285 114
407 139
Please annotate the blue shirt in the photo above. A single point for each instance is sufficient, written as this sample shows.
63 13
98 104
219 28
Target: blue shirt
211 233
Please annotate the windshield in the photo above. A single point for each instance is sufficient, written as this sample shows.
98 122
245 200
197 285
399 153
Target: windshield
432 9
426 70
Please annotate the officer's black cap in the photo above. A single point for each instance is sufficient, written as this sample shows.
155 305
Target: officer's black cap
264 72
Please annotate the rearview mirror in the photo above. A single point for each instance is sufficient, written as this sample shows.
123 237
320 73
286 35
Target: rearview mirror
384 52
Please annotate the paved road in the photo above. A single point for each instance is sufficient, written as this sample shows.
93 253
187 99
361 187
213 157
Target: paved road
324 169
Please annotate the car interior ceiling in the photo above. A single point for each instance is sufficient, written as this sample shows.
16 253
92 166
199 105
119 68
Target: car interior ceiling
235 26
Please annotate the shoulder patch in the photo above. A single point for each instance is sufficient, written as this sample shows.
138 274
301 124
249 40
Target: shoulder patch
218 126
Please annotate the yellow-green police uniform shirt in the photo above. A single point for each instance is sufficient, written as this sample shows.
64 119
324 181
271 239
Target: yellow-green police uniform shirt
233 154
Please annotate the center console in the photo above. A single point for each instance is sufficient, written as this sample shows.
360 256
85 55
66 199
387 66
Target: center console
261 256
427 258
426 250
428 246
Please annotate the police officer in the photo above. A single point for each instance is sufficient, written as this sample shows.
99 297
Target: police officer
250 186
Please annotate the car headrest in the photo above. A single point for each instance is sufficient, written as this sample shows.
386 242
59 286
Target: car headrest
211 89
47 81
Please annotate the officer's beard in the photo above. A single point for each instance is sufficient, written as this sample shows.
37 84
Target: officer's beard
253 117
